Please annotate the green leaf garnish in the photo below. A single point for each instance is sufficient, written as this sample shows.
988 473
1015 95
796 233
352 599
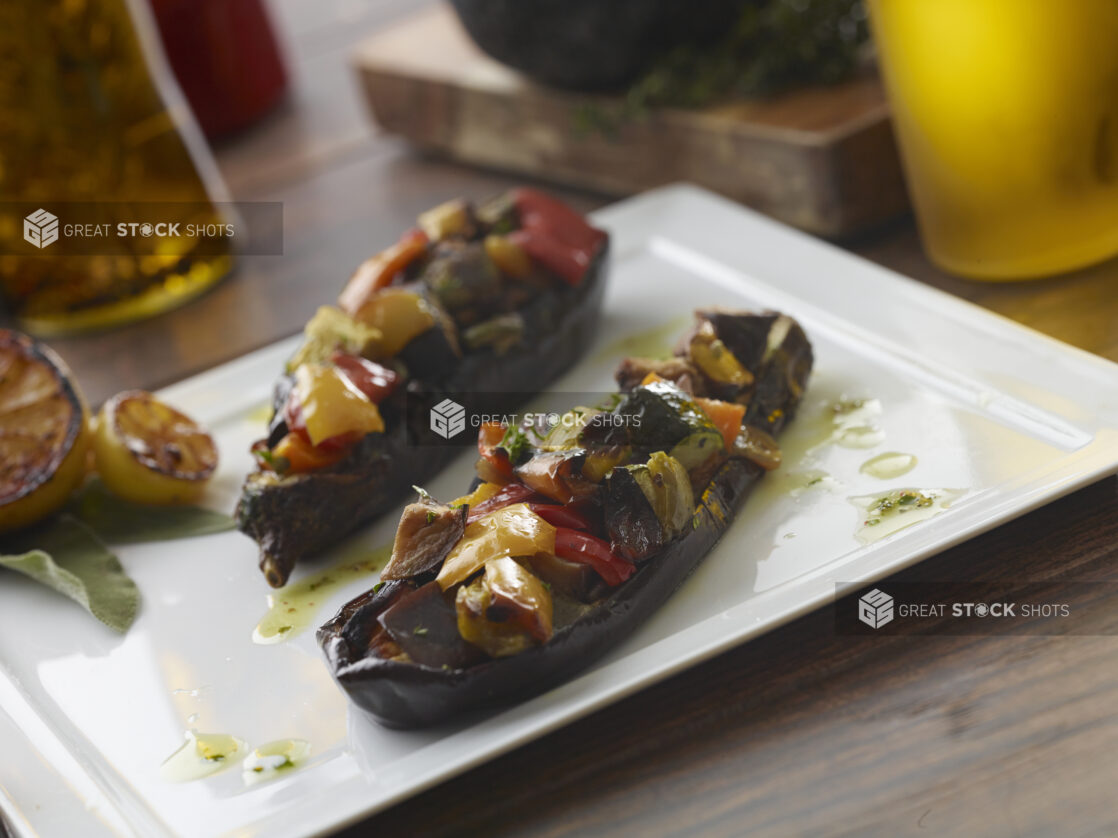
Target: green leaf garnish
66 556
119 521
68 552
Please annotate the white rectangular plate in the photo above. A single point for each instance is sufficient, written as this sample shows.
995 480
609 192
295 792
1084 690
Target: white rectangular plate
1011 417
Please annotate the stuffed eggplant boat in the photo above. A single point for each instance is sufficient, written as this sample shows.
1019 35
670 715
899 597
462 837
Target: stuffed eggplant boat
494 300
575 532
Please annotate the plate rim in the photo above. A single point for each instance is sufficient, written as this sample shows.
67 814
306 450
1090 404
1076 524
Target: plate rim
651 212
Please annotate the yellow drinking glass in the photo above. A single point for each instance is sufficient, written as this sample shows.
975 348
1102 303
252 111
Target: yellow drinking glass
1007 117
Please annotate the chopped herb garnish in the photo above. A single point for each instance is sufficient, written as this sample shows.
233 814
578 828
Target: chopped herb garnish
377 587
423 493
419 630
431 516
279 465
515 443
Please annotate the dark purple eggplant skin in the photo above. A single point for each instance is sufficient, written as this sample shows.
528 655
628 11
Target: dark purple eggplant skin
408 695
297 516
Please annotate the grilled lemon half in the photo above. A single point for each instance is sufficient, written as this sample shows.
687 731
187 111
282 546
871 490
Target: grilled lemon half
148 452
44 435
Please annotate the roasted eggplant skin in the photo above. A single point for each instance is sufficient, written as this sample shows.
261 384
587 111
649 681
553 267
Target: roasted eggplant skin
403 694
294 516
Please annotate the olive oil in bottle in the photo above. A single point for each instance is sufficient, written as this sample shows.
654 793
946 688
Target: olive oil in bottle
94 133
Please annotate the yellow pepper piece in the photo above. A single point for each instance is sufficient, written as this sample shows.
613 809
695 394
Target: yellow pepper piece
445 220
713 358
331 405
398 315
510 531
482 493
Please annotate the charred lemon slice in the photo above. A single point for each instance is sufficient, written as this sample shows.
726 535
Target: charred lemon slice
43 432
148 452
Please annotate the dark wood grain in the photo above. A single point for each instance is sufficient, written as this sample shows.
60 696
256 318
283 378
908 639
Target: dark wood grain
820 158
800 732
803 732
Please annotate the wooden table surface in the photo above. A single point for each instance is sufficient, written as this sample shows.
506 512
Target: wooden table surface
799 732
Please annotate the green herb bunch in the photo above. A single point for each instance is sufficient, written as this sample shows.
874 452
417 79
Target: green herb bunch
774 45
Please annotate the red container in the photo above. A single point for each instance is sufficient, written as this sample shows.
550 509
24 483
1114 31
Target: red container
225 57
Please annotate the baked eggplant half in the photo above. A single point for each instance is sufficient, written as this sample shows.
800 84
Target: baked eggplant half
494 300
575 532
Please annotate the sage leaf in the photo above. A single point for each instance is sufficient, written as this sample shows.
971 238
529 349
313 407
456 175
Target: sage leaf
68 557
119 521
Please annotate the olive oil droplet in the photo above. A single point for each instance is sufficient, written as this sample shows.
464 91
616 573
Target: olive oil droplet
269 760
657 342
886 513
889 465
200 756
292 609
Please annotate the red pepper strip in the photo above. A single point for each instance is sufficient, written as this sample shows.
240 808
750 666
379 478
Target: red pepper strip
543 213
558 257
489 437
414 235
561 516
370 378
378 271
555 235
303 457
583 547
507 495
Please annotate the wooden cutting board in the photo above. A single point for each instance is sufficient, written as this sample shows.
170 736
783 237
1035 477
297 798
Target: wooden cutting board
821 158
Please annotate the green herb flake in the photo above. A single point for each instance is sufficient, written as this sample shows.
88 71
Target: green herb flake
515 443
280 465
421 631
